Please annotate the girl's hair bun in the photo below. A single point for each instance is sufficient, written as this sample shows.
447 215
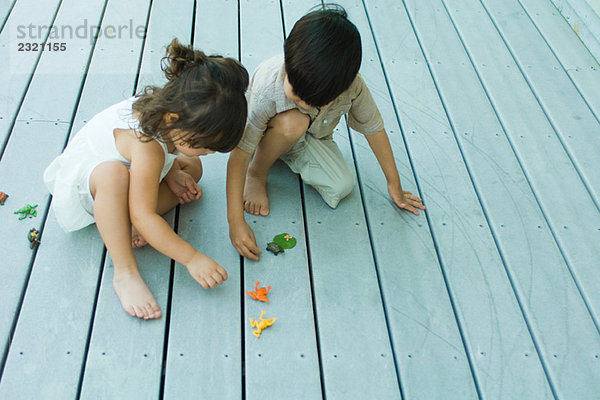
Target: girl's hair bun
179 57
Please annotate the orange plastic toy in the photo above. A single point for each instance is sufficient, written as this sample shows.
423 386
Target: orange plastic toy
259 294
262 324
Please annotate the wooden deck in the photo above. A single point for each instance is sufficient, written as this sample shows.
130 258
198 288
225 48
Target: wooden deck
493 110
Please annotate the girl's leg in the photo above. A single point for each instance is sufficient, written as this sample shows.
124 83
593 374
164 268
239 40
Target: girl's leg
283 131
109 185
166 199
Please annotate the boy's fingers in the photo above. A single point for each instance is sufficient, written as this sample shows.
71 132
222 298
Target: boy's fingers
411 209
245 252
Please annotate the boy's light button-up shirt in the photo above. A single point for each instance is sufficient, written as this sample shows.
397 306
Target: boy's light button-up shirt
266 99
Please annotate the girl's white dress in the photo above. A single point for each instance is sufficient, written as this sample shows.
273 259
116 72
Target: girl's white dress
68 176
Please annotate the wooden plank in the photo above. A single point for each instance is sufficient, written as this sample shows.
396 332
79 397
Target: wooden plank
547 167
423 327
216 27
583 16
205 333
357 362
60 298
573 121
16 73
48 123
493 328
125 350
167 21
293 11
5 9
262 22
574 57
357 357
290 344
543 284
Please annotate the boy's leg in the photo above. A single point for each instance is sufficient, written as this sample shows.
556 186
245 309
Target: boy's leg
109 186
283 131
322 165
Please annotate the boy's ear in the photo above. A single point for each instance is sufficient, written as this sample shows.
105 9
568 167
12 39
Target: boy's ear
169 118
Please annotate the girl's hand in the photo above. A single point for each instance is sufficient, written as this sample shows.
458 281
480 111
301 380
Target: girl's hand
243 240
183 186
405 199
206 271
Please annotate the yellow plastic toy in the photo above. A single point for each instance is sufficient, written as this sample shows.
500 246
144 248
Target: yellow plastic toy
262 324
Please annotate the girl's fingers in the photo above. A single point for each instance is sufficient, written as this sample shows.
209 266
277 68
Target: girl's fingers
211 282
192 186
222 272
218 278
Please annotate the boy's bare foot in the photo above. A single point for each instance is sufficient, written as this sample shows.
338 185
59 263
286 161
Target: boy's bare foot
136 239
256 200
135 296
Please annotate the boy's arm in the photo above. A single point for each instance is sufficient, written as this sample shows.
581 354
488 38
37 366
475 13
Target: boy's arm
240 232
380 144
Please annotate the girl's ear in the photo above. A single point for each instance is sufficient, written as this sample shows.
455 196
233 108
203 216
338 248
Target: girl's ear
169 118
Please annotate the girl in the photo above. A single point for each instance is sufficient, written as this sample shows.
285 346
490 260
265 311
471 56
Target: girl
121 167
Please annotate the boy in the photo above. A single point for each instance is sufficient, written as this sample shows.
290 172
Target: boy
294 103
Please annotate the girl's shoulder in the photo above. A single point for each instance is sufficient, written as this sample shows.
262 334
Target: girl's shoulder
118 115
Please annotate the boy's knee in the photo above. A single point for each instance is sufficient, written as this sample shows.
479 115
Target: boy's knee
338 190
291 124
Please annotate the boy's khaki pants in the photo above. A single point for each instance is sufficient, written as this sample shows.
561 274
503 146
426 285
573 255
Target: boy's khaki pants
321 165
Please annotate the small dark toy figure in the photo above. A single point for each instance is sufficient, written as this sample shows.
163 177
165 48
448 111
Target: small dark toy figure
274 248
27 211
3 197
34 238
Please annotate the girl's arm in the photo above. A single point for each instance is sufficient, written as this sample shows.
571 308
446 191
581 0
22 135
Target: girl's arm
147 160
380 144
240 232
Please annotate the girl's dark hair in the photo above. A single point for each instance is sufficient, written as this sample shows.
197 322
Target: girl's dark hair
207 94
322 55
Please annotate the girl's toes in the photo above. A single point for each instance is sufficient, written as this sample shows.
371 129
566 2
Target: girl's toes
131 311
138 312
151 312
156 312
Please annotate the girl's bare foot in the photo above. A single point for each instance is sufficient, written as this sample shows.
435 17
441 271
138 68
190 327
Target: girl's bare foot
134 295
256 200
136 239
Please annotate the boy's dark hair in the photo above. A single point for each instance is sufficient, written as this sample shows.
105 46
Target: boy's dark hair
208 95
322 55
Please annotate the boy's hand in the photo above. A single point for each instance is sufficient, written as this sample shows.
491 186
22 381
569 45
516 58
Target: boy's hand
405 199
243 240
